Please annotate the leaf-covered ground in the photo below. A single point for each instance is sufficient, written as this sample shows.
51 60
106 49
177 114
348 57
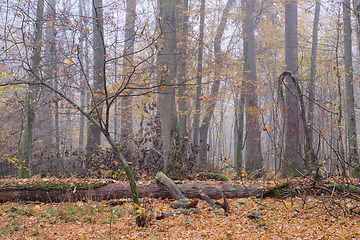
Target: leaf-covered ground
281 219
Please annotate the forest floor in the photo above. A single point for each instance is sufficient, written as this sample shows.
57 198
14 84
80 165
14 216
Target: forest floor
306 217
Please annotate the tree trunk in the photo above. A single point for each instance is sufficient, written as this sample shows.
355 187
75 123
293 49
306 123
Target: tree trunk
126 101
202 160
26 154
94 133
253 156
82 57
173 163
182 102
350 102
199 75
122 190
293 161
312 84
239 136
46 132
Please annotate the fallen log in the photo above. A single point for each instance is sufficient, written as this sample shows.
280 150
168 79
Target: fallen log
122 190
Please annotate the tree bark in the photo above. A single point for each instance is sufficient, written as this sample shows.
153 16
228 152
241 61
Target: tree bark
46 132
126 101
199 74
122 190
83 77
183 26
94 134
173 163
309 150
26 154
253 156
312 77
292 159
350 102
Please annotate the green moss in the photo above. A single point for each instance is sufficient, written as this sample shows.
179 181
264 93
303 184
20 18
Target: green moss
276 191
46 184
215 176
341 187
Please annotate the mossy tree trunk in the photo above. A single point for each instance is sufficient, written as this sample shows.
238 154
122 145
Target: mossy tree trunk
26 154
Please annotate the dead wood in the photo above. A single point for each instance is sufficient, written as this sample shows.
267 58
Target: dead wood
122 190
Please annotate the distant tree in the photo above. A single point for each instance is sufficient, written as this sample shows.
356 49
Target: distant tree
209 111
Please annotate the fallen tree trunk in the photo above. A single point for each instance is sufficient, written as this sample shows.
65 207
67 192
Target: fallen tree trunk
122 190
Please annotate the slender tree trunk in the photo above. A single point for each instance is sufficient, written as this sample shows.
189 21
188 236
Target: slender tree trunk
293 161
26 154
126 104
356 4
94 135
313 67
82 57
46 132
173 164
350 102
313 59
239 129
182 102
216 85
253 157
199 74
339 139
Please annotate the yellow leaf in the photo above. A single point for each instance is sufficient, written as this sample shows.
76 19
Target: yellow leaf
4 74
70 61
